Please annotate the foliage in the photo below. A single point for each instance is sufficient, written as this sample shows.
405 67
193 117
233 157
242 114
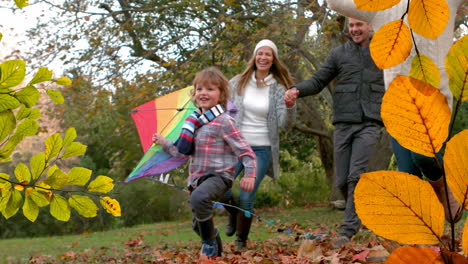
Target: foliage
42 183
397 205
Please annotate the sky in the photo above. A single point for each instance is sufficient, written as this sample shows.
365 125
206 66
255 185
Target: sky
14 25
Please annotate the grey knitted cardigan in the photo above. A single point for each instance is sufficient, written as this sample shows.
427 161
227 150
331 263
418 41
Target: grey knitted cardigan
279 117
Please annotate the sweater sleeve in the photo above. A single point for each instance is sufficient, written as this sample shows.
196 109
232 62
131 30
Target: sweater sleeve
285 116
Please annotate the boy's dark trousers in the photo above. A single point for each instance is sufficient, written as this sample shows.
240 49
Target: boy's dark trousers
210 188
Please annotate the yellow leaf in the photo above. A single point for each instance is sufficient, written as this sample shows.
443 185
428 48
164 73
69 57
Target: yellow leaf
63 81
399 206
83 205
70 135
416 115
101 184
53 145
12 206
30 209
424 69
428 18
40 198
79 176
57 180
112 206
375 5
74 149
391 44
42 75
13 72
456 166
22 173
59 208
456 64
19 187
408 254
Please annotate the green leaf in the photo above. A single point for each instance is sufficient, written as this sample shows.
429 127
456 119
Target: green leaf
7 123
13 72
21 3
39 198
42 75
57 180
29 96
3 178
63 81
26 128
37 165
56 96
70 135
102 184
75 149
6 193
30 209
83 205
79 176
13 204
22 173
59 208
8 102
53 145
1 36
31 113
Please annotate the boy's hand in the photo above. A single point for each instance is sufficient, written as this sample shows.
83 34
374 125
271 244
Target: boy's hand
158 139
247 183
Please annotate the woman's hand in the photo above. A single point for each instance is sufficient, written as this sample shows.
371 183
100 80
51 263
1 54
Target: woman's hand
247 183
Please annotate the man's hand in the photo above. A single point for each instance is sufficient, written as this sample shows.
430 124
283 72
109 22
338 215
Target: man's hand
290 97
247 183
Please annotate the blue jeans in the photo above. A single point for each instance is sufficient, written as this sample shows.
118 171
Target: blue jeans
246 199
416 164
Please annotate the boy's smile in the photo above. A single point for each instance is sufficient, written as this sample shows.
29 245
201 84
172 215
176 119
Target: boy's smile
207 95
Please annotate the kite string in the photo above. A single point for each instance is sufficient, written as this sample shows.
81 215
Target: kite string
178 112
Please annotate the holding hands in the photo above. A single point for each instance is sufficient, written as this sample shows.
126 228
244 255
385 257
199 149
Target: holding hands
290 97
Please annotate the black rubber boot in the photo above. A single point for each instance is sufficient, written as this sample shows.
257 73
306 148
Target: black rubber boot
208 235
231 226
243 229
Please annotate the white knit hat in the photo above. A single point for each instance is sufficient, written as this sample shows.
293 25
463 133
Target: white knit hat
266 43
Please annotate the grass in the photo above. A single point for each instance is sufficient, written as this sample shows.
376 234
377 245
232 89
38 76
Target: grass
168 234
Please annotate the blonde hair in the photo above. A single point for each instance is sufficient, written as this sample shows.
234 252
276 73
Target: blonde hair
212 75
278 69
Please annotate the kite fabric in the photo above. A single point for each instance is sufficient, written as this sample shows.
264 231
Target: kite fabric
164 115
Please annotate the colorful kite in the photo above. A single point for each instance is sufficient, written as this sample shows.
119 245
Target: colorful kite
164 115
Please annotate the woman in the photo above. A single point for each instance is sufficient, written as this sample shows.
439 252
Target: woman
258 94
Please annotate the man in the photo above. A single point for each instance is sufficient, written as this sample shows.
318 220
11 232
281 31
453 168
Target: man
357 98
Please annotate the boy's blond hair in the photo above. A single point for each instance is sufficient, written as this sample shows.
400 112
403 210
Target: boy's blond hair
214 76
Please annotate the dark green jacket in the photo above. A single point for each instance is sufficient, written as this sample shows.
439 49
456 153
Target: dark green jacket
359 84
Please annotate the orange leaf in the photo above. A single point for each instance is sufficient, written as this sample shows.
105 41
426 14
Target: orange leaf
456 64
465 238
416 115
399 206
375 5
456 166
391 44
409 254
424 69
428 18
